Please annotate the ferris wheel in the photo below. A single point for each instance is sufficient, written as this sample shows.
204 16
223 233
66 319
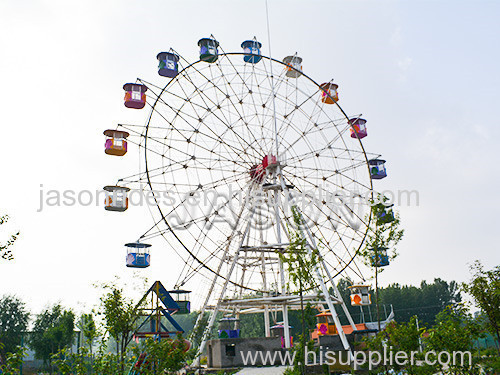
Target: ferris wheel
241 151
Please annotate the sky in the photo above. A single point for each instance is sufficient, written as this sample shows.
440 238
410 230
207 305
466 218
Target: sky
424 74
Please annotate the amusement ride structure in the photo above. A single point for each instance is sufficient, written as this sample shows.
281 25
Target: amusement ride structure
242 152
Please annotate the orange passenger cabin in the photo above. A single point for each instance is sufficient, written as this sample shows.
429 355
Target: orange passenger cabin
116 143
325 326
329 94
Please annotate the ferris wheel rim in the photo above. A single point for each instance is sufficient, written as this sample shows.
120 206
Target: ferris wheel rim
163 216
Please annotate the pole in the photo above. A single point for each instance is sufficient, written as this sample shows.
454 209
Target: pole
22 346
376 289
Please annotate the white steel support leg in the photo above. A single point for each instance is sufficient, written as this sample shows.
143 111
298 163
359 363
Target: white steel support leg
213 316
339 296
266 321
324 289
205 304
284 290
267 326
335 317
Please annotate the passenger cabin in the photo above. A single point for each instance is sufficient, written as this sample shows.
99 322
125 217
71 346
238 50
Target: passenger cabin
181 297
360 295
135 95
329 94
168 64
251 48
278 330
380 257
116 143
116 198
208 49
385 214
294 66
326 327
358 128
138 255
229 328
377 169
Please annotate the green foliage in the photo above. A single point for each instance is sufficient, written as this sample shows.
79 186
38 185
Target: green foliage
5 252
455 330
381 234
164 356
485 289
53 330
424 301
88 328
300 265
106 363
252 325
120 318
13 323
298 354
401 337
195 336
67 362
12 361
490 361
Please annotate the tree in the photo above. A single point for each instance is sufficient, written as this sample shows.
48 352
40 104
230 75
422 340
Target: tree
14 319
5 252
485 289
455 331
164 356
425 301
401 337
383 236
53 330
12 362
300 266
67 362
89 330
120 317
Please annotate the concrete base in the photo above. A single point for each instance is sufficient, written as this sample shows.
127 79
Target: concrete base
225 353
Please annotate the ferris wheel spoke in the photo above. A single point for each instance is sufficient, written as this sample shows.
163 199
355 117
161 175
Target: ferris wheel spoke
234 94
195 130
215 137
317 232
225 244
205 97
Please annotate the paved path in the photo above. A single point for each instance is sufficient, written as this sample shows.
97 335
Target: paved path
278 370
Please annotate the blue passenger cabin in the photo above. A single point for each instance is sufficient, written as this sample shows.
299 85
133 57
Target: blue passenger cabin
228 328
385 215
181 297
138 255
377 169
251 48
380 257
208 49
168 64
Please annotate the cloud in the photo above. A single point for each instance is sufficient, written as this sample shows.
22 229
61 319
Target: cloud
404 64
396 37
